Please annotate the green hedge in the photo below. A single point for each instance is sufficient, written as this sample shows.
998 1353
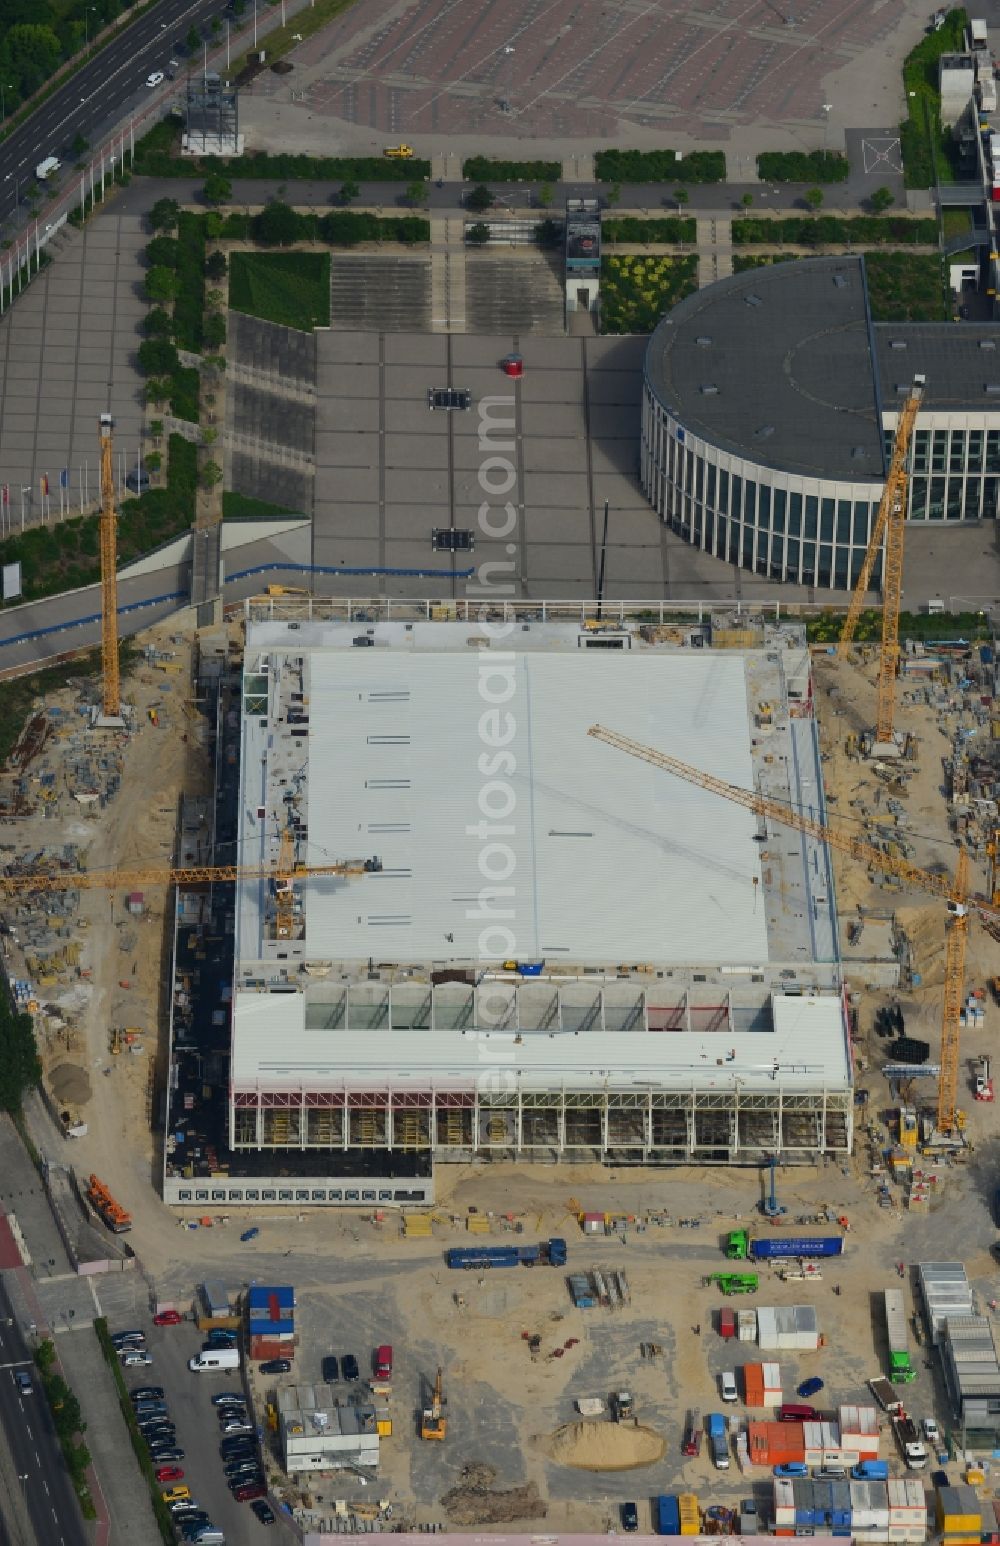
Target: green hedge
243 507
833 230
482 169
923 106
912 625
292 288
659 166
185 385
801 166
189 306
66 555
907 287
637 289
164 1518
339 228
157 154
629 228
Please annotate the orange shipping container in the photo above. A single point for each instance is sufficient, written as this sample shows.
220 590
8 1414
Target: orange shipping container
753 1384
775 1443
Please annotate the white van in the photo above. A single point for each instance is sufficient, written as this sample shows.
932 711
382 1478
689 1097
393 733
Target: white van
215 1358
46 168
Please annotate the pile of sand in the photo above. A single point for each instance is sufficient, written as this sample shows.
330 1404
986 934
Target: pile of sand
70 1084
604 1446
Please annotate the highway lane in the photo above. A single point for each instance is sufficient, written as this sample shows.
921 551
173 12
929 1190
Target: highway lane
103 93
32 1444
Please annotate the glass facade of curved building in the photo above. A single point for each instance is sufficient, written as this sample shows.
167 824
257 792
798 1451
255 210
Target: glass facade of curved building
768 416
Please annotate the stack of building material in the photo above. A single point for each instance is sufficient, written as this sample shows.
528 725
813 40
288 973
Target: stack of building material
859 1436
788 1326
272 1321
959 1517
907 1509
746 1325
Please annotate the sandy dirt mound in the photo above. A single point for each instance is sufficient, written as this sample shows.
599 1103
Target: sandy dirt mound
604 1446
473 1503
69 1082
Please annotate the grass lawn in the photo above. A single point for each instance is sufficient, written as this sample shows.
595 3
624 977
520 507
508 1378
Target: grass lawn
288 287
243 507
906 287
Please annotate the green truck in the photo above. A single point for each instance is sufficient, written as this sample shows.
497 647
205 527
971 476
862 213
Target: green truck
734 1282
901 1370
738 1245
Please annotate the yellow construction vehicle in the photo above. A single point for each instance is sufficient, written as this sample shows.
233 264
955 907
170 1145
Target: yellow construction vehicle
116 1040
889 524
433 1423
954 889
286 590
398 152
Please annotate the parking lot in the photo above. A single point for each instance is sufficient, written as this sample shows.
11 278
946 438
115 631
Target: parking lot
188 1396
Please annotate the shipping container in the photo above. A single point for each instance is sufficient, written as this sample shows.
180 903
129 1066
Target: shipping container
753 1384
772 1246
668 1515
746 1325
690 1513
727 1324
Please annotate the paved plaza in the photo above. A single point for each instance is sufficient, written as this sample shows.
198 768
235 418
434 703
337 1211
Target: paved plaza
68 354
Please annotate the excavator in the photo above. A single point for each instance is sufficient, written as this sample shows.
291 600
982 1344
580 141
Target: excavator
433 1423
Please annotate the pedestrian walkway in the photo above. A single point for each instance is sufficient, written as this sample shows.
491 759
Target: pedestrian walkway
714 242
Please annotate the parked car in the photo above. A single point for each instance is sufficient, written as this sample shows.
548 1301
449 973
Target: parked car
383 1362
159 1454
146 1393
727 1386
168 1318
183 1508
810 1387
932 1433
282 1366
169 1473
236 1484
630 1518
23 1382
133 1358
831 1473
264 1511
219 1337
175 1494
242 1469
330 1369
792 1468
228 1395
795 1412
119 1338
349 1364
230 1448
251 1491
236 1425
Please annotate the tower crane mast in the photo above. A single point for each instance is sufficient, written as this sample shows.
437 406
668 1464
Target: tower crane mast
109 574
890 523
954 889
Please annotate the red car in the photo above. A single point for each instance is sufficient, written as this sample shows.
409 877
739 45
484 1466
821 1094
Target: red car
169 1473
250 1492
168 1318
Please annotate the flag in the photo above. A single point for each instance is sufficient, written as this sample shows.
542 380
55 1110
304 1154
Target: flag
64 478
43 484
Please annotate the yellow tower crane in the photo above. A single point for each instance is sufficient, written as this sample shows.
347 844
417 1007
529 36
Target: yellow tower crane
109 575
955 889
890 523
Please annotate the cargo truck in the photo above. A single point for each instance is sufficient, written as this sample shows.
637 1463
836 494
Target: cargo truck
718 1440
479 1256
901 1371
796 1245
910 1445
885 1396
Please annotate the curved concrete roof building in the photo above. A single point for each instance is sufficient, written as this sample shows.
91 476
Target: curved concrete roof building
769 404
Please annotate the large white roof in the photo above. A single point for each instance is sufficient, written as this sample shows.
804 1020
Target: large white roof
610 859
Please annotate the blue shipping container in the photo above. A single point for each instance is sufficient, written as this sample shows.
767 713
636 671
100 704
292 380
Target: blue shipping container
797 1245
668 1516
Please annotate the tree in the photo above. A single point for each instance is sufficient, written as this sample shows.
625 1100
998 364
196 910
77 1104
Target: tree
163 251
216 26
161 284
214 225
66 1413
30 56
80 144
154 461
881 200
213 331
157 357
163 215
193 40
20 1067
613 195
681 196
158 323
157 391
416 192
211 474
546 194
547 233
216 266
478 235
156 428
277 225
217 189
479 197
349 190
814 199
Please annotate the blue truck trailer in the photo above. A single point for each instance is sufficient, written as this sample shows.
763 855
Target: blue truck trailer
796 1245
668 1515
479 1256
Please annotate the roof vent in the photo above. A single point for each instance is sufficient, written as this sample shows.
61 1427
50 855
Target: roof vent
764 431
987 343
903 388
898 343
703 341
840 281
709 389
752 300
859 453
992 388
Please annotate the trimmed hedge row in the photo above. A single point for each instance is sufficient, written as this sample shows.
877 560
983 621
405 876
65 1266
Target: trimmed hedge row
826 629
629 228
157 154
801 166
481 169
340 228
830 230
659 166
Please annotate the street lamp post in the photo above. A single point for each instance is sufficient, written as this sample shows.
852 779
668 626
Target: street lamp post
4 86
86 25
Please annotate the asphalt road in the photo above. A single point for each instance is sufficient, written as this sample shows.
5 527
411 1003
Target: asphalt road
32 1444
105 92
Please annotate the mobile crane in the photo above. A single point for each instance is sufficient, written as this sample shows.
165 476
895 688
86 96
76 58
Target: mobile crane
433 1423
954 889
890 523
